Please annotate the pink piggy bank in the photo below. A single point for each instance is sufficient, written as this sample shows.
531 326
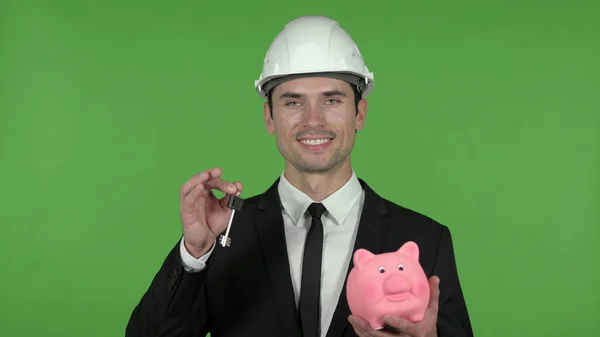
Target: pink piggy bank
388 284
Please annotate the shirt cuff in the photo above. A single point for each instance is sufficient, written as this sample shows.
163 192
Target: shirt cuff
190 263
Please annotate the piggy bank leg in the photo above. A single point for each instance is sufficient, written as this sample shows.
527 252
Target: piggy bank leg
416 317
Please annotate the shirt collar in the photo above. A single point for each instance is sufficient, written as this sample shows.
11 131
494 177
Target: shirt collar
338 205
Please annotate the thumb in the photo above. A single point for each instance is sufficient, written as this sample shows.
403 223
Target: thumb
434 286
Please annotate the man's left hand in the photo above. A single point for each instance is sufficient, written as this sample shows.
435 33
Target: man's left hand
403 327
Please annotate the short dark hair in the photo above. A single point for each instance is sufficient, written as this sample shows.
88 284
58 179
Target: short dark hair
357 98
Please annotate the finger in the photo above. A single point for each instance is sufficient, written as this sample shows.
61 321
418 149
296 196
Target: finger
239 186
191 198
360 332
194 189
222 185
225 200
400 325
358 323
381 333
362 327
199 178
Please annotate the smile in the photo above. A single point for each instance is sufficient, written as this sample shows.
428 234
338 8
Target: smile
315 141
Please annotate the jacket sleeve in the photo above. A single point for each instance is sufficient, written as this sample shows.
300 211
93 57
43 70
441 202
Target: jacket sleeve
173 305
453 317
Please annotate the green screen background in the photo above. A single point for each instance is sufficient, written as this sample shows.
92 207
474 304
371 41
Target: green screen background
484 116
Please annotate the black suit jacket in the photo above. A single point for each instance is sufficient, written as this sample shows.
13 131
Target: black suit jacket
246 289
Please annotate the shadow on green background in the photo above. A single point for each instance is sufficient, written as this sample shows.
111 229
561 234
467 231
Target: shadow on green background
484 116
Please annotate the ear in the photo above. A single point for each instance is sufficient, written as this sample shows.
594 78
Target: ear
362 257
268 119
410 249
361 114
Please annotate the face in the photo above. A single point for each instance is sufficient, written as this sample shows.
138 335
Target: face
314 121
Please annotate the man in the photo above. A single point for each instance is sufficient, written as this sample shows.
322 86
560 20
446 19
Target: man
285 271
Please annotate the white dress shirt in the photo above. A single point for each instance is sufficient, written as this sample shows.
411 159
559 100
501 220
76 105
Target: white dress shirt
340 224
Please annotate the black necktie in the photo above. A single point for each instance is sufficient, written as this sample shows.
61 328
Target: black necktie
310 288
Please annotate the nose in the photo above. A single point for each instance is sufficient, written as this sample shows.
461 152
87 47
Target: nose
395 284
313 117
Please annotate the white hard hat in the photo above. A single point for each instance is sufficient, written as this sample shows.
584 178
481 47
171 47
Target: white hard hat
313 46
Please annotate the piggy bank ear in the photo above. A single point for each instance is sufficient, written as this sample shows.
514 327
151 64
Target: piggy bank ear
362 257
410 249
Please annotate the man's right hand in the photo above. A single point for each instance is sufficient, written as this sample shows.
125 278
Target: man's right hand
203 215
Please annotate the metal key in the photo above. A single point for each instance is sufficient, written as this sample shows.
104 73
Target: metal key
235 203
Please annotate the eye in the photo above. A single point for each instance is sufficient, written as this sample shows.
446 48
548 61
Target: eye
332 101
381 270
291 103
401 267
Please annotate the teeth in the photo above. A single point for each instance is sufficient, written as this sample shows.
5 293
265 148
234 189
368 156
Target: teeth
315 141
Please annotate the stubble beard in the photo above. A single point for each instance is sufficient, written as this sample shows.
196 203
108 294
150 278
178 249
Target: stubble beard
294 157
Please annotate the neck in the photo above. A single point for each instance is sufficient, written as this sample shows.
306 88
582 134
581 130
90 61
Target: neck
318 186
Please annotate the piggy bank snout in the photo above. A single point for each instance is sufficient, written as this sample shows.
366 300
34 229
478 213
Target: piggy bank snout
395 284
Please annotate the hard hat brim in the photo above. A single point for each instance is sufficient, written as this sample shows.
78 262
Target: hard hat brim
364 84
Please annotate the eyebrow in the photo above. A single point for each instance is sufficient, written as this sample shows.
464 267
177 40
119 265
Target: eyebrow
328 93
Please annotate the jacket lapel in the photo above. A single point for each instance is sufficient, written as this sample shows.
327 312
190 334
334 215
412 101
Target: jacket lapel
269 225
372 230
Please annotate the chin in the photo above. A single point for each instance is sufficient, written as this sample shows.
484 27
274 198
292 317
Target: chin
312 168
